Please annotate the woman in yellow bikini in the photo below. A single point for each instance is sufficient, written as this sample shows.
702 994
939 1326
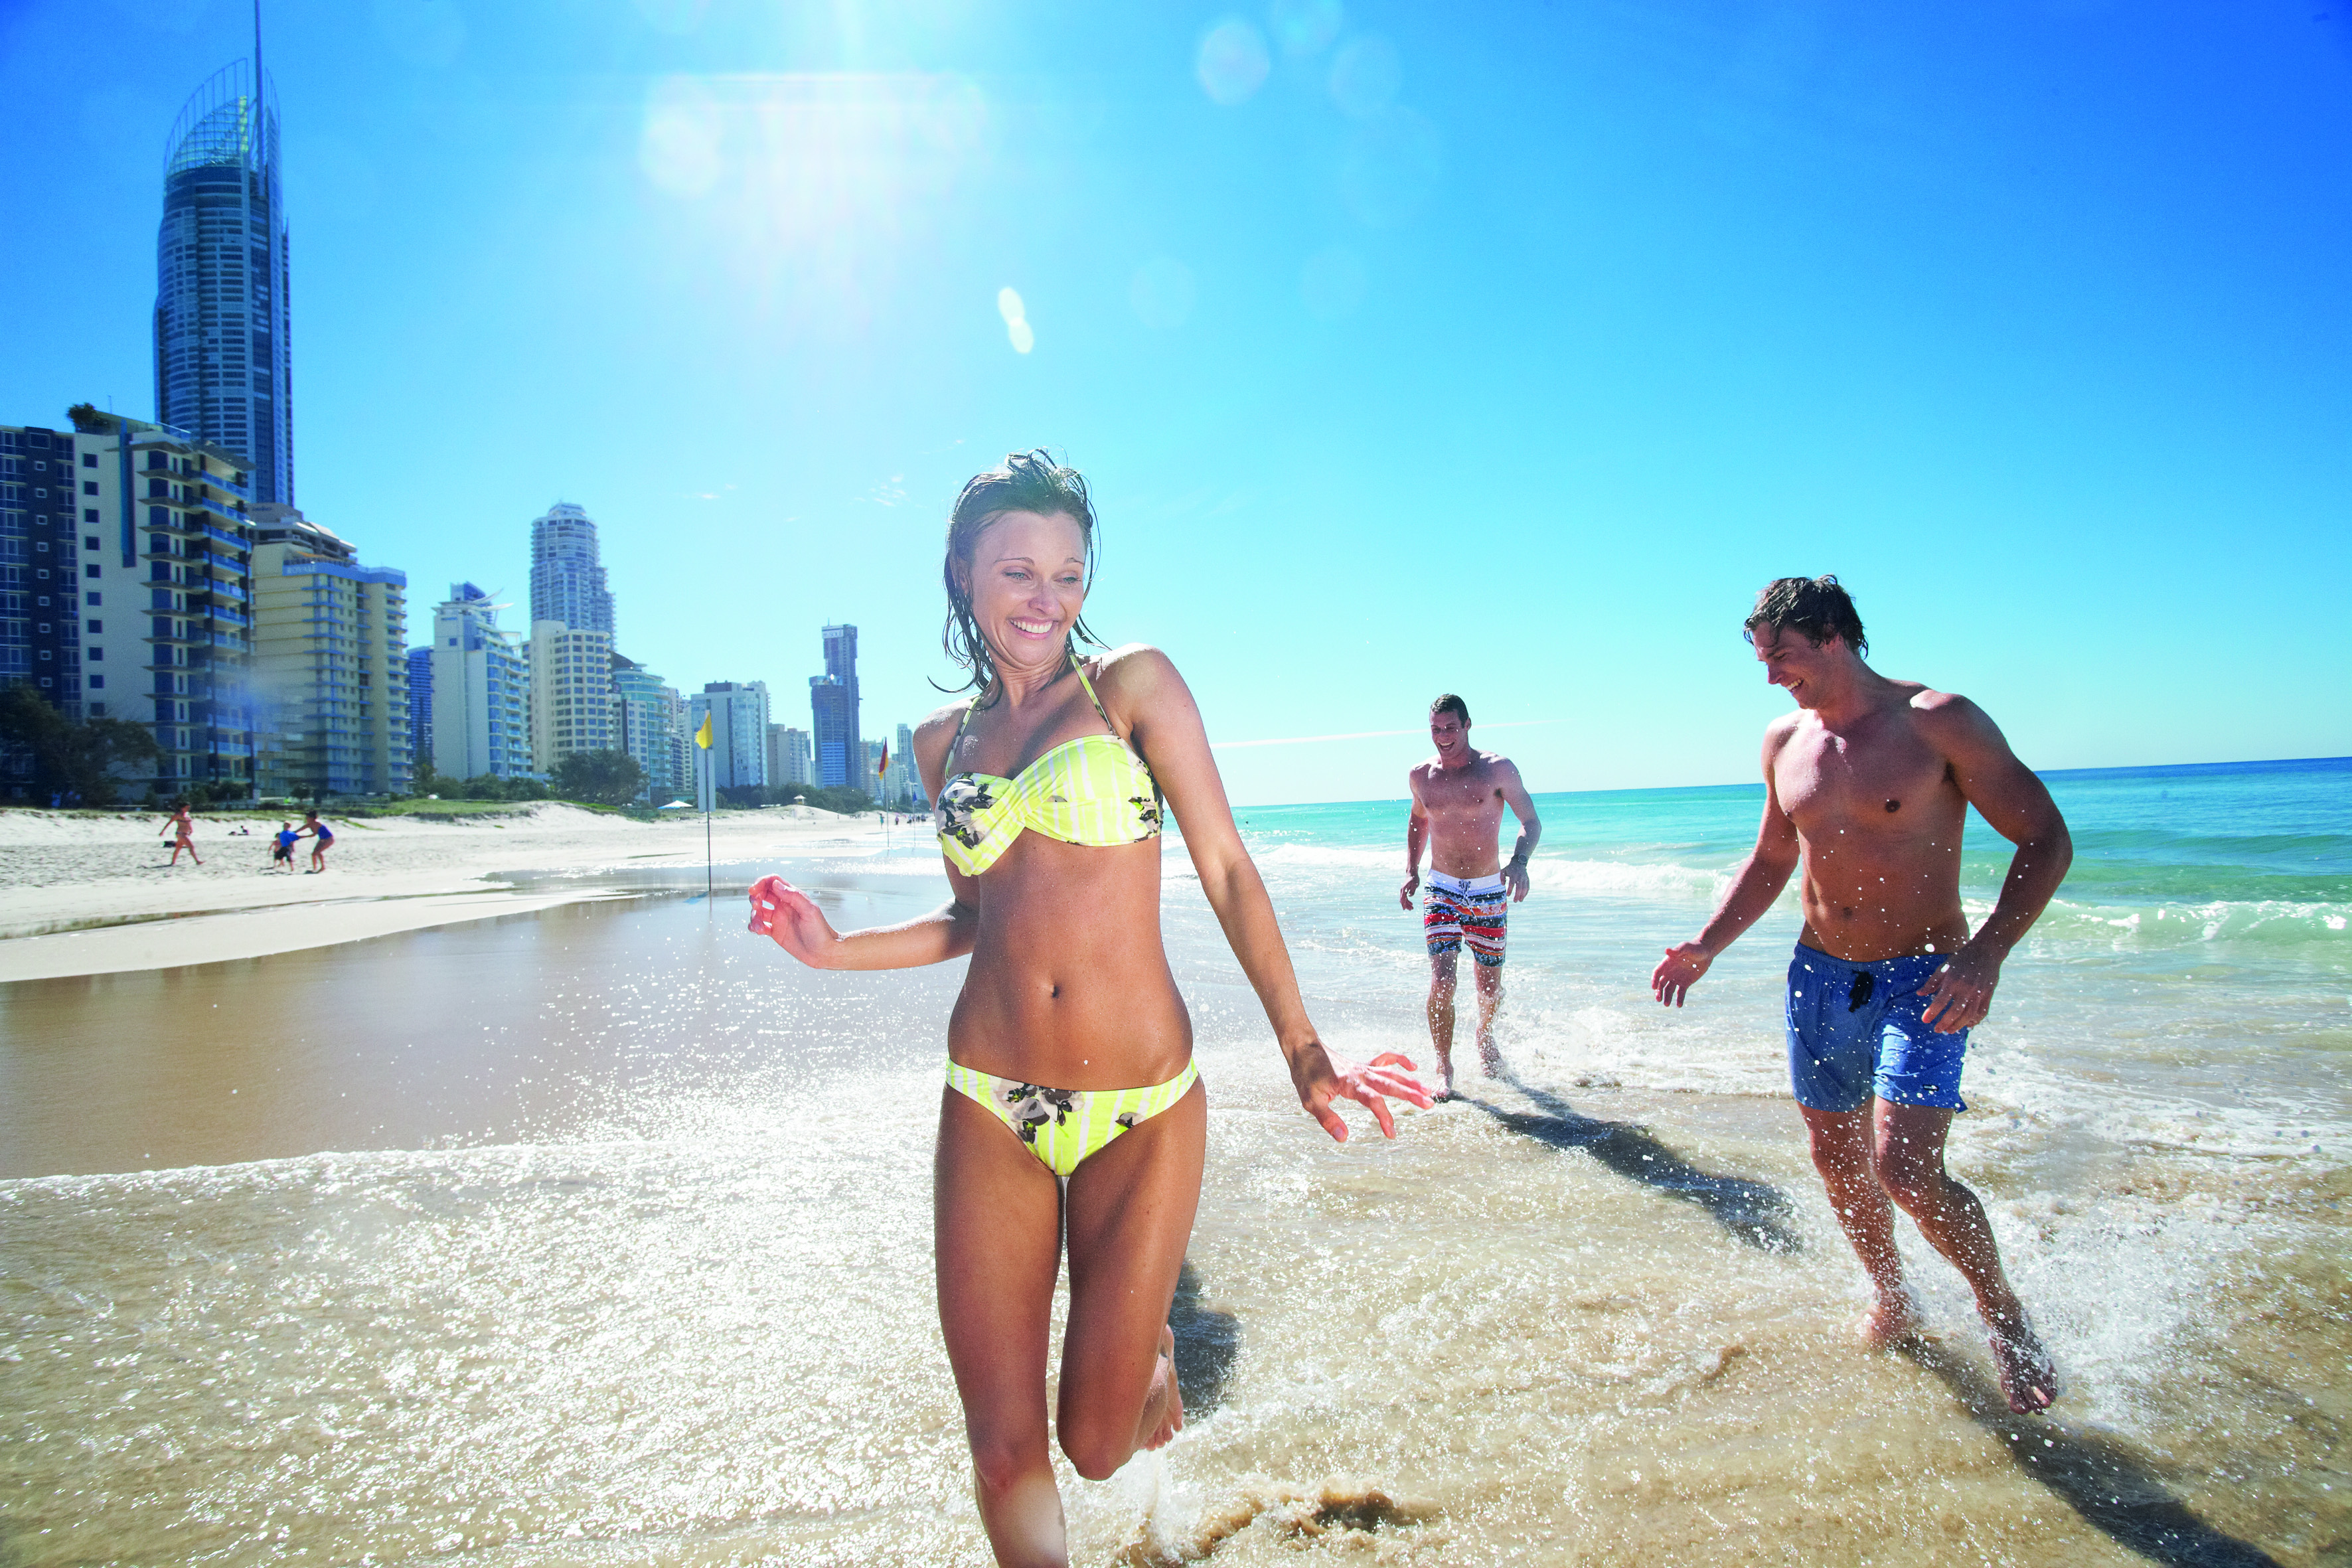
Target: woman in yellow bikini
1072 1107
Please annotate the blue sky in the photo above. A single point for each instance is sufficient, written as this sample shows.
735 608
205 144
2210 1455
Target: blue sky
1502 350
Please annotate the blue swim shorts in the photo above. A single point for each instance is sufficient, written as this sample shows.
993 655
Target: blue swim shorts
1859 1029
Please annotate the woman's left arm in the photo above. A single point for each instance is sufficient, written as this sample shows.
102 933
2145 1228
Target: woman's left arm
1141 689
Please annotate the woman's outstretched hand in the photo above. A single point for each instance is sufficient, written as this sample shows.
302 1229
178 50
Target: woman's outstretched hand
1321 1075
785 914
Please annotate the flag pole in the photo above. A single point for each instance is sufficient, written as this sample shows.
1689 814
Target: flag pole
710 796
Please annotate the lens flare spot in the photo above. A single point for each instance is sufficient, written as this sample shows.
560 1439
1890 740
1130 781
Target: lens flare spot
1016 319
1304 26
680 150
1365 77
1232 61
1162 293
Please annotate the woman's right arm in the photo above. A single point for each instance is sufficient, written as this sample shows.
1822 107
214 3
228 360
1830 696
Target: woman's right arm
791 920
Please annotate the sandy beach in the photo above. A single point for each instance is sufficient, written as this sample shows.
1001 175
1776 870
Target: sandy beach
94 892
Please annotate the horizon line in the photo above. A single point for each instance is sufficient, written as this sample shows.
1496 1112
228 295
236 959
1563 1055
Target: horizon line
1370 734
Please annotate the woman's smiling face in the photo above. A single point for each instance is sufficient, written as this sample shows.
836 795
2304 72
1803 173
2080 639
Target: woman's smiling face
1028 583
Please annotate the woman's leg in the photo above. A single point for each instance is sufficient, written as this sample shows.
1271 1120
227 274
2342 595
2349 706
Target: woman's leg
997 1218
1130 1216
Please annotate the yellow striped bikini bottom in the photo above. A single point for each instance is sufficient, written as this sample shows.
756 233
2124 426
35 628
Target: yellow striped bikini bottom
1064 1126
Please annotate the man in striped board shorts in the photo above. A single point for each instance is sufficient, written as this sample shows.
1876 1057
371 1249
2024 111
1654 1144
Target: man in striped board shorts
1458 796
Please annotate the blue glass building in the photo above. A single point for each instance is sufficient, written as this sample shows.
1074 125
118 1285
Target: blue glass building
832 712
223 370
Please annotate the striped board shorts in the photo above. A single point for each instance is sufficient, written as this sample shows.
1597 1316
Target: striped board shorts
1474 909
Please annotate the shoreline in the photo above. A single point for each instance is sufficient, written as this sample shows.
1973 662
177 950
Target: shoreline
90 893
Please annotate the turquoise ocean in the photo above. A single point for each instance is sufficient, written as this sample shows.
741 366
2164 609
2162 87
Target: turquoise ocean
601 1235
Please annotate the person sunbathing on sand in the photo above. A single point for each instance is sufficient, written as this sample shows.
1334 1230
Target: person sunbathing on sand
1867 785
1458 796
1072 1116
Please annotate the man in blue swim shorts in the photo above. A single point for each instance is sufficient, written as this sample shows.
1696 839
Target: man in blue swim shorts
1867 785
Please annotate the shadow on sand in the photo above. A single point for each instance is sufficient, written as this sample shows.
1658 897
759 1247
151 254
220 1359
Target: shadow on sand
1207 1340
1755 1213
2099 1477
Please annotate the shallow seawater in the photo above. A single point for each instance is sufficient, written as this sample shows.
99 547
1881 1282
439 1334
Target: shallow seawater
601 1235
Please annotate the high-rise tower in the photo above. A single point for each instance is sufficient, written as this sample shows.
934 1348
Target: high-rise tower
224 360
833 712
567 579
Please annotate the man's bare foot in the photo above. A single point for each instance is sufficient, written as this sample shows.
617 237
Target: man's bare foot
1490 1059
1893 1319
1165 1393
2027 1376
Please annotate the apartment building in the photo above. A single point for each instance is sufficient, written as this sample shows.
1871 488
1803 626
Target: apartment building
649 714
481 690
571 693
788 755
330 681
738 730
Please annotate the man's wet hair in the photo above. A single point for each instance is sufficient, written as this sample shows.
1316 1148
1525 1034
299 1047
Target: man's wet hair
1818 606
1449 703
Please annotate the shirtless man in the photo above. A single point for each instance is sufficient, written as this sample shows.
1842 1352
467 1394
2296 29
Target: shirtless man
1458 797
1867 785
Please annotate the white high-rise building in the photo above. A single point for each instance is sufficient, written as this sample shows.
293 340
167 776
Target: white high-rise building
571 693
738 730
567 572
788 755
481 690
330 679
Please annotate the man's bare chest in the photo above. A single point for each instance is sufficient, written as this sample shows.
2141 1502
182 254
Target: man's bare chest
1461 796
1886 779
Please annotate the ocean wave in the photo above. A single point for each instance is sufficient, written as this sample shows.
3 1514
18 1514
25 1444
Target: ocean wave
2268 922
1559 875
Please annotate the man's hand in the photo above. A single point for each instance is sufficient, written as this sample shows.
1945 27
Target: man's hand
1321 1076
1412 883
1678 972
1514 878
1960 993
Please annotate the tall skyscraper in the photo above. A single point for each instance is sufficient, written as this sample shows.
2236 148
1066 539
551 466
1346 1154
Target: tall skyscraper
567 578
224 357
571 694
788 755
647 715
738 730
832 712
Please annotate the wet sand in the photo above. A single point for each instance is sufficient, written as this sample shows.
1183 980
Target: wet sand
90 893
601 1235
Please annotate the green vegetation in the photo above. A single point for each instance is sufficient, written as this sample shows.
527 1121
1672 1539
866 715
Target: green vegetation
838 797
66 760
607 778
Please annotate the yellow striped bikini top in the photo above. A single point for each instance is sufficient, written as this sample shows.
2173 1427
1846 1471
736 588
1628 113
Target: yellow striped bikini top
1093 789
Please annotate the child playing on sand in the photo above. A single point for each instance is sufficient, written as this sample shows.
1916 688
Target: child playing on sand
282 849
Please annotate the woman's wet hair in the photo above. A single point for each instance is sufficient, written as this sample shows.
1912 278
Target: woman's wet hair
1026 481
1449 703
1818 606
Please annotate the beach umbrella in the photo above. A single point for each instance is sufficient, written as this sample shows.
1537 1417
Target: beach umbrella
676 805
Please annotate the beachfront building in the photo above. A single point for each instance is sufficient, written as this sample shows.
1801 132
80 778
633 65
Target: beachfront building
571 693
420 710
134 538
567 573
833 712
40 565
738 730
788 755
902 785
646 714
330 678
224 364
481 690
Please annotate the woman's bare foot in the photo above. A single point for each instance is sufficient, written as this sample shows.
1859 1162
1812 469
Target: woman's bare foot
2027 1376
1165 1396
1893 1319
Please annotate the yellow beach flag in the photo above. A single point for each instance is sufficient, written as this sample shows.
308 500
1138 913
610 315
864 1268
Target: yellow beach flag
702 736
